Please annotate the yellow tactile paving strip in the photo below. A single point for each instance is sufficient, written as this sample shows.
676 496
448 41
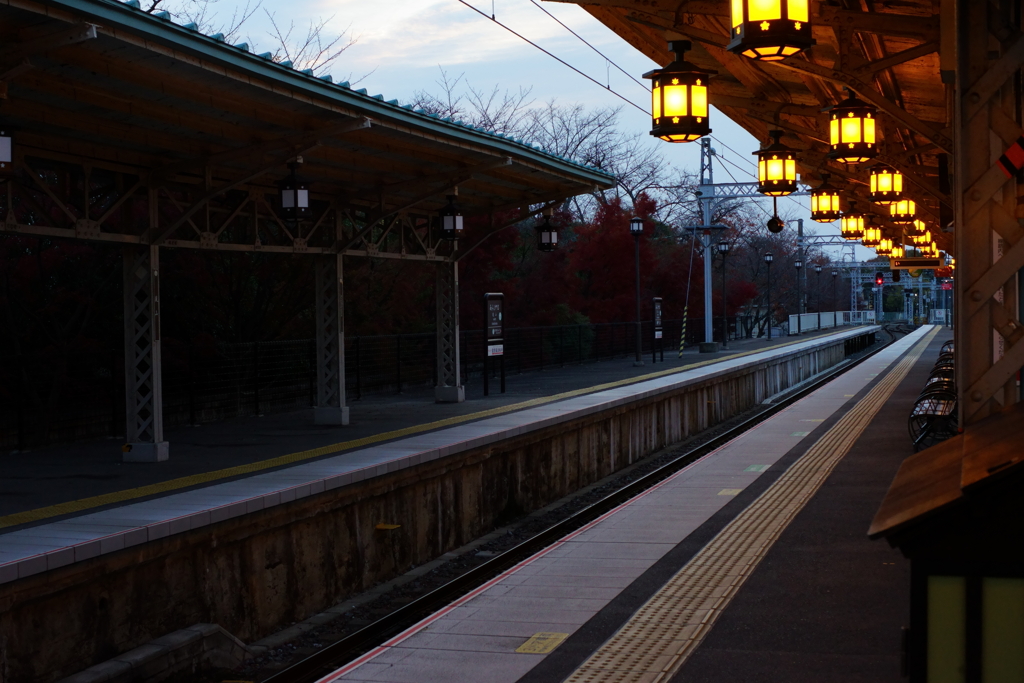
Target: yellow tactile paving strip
293 458
657 640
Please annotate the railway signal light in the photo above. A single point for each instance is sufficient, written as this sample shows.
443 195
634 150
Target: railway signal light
879 279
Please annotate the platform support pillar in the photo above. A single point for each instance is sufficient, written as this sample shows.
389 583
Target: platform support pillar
987 122
449 387
144 418
330 406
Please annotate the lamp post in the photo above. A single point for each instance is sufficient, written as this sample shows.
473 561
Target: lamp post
723 249
799 263
636 226
768 262
817 294
835 274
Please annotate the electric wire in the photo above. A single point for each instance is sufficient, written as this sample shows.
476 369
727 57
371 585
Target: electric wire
559 59
584 41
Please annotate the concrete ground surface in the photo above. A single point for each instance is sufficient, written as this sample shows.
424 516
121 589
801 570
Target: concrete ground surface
824 604
50 476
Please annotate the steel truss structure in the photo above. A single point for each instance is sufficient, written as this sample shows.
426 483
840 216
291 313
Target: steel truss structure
130 129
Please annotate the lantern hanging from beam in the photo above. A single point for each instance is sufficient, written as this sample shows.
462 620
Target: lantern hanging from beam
884 247
679 98
852 132
294 194
547 235
886 185
903 212
922 239
897 251
770 30
825 202
451 219
6 151
872 236
776 168
918 227
852 223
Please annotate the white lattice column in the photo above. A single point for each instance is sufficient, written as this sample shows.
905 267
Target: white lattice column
330 342
449 387
144 417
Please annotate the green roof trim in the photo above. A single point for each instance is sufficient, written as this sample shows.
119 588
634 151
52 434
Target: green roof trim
128 16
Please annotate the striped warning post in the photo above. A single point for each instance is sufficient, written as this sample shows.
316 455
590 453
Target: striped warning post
682 334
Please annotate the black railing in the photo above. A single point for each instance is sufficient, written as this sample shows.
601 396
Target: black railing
83 398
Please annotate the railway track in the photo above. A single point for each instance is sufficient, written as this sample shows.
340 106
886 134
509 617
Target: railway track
336 655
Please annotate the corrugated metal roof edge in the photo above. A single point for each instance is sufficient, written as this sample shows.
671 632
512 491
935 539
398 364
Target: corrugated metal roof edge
160 28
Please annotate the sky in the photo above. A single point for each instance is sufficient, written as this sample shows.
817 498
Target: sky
402 46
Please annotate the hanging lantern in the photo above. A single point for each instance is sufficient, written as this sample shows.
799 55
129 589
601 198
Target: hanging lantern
922 239
679 98
872 236
852 223
770 30
825 202
884 247
852 131
451 219
294 194
903 212
886 185
918 227
547 235
776 168
897 251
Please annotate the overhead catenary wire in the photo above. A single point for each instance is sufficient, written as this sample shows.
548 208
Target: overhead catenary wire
556 58
584 41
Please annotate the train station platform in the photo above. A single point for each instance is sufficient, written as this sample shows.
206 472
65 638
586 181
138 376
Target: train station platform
67 480
231 548
751 564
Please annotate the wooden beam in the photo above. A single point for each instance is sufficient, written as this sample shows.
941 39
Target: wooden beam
887 23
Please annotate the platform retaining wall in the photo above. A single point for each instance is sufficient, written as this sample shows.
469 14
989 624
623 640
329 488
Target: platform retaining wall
260 572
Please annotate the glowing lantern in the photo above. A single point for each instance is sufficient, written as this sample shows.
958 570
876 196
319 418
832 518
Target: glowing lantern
776 168
770 30
922 239
872 236
903 212
679 98
852 131
825 202
918 227
852 224
897 251
886 185
884 247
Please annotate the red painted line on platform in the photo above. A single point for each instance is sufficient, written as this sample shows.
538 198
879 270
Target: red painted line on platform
416 628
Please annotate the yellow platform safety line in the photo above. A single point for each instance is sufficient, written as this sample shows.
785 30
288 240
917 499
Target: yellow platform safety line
657 640
293 458
542 643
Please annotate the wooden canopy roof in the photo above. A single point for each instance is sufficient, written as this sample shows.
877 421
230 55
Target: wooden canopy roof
101 83
888 54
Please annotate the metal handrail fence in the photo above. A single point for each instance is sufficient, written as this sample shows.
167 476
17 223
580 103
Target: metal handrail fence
83 397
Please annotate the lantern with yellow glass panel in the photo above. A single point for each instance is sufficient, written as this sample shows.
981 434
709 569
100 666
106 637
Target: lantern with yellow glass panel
770 30
679 98
776 167
852 131
886 185
825 202
903 212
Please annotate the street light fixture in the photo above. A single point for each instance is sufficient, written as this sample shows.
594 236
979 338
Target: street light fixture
799 263
679 98
770 30
768 261
636 227
723 249
817 295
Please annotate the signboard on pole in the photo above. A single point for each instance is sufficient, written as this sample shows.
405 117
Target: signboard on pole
947 286
495 312
914 263
657 317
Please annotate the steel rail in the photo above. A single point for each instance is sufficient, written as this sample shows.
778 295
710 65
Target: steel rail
336 655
